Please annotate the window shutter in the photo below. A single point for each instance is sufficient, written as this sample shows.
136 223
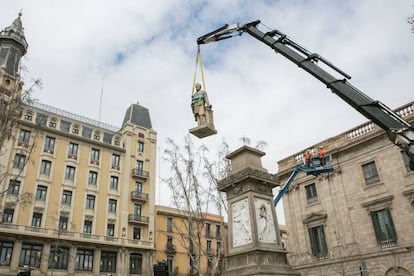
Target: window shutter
313 241
391 232
377 228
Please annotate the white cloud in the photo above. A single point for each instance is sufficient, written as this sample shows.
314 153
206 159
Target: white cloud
254 92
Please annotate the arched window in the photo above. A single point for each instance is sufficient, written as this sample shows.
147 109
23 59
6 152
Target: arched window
135 263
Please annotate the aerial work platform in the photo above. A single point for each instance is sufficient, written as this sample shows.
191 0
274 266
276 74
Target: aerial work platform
315 167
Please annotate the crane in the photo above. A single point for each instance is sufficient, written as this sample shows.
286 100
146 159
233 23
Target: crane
399 131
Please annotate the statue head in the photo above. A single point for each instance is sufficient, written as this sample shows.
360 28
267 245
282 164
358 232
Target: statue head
198 86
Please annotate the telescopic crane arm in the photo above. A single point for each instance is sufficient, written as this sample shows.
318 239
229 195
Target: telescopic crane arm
399 131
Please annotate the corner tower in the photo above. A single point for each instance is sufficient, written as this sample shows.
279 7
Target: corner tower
13 47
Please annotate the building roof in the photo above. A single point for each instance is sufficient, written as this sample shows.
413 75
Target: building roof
137 115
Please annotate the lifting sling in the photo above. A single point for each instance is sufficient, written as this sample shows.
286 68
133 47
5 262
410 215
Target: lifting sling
200 104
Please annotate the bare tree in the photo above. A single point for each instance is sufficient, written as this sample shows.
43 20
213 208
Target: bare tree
12 103
194 192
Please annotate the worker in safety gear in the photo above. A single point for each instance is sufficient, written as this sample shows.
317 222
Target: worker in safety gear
322 155
199 104
307 155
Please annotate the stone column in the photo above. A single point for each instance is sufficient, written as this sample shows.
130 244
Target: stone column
254 243
72 260
14 262
96 261
44 262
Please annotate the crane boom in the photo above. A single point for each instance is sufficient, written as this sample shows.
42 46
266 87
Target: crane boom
399 131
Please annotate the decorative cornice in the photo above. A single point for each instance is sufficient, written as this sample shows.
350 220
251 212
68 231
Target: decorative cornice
315 217
378 203
263 177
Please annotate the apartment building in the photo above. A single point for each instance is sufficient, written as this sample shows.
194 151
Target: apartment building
175 247
359 219
77 195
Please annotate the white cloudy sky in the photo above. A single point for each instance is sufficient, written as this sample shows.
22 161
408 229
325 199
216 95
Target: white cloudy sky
145 51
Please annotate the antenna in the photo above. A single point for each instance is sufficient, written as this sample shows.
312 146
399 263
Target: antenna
100 100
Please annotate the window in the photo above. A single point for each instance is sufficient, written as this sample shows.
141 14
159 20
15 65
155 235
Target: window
191 266
24 138
115 161
8 216
112 206
218 248
135 263
64 126
137 210
73 151
208 230
169 224
70 173
191 246
14 187
92 178
113 182
86 132
318 241
28 116
107 138
19 161
209 248
84 260
66 197
30 255
108 261
140 166
52 123
41 192
63 223
90 201
110 230
138 187
311 195
45 167
370 173
49 144
95 156
136 233
87 227
170 245
218 232
41 119
140 146
6 251
170 264
37 219
58 257
383 225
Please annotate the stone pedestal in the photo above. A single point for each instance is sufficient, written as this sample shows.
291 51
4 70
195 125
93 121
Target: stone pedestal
255 246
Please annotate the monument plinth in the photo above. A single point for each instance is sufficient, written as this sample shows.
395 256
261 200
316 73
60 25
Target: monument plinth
255 246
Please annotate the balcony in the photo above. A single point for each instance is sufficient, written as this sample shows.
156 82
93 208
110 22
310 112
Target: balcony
170 248
140 173
388 244
72 156
134 218
135 195
47 234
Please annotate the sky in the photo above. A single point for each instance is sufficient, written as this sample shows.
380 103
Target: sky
97 57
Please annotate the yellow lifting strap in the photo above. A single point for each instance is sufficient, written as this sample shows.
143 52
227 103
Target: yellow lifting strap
199 60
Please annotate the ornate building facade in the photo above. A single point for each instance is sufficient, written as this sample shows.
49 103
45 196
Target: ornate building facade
359 219
76 195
